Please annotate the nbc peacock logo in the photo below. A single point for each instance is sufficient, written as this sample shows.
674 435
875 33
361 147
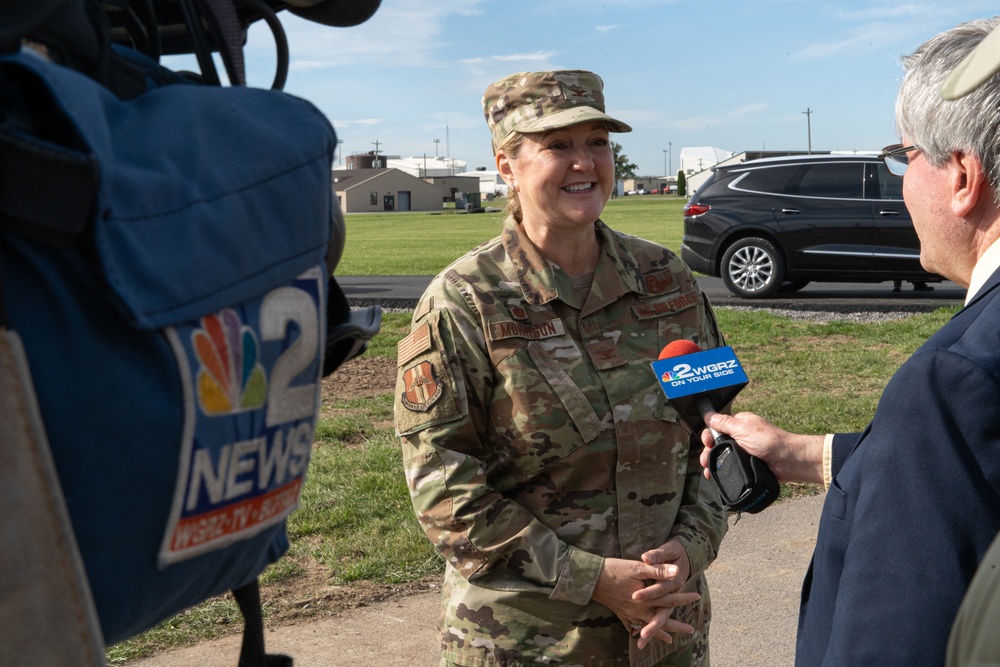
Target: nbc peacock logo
230 377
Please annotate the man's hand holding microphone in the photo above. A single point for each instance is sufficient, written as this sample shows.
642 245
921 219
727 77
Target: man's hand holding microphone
695 381
790 456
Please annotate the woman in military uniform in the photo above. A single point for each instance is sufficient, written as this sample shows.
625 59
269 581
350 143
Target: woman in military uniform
542 458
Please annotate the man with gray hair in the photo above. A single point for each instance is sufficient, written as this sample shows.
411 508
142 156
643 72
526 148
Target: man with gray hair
974 641
913 502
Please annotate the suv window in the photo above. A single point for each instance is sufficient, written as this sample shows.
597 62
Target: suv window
839 181
766 179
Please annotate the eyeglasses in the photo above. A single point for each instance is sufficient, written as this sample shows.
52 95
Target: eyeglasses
896 158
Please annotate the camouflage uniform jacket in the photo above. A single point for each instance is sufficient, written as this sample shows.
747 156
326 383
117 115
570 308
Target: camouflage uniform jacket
537 442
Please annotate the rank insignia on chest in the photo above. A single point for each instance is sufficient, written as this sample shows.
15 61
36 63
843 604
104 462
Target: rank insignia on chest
421 388
660 282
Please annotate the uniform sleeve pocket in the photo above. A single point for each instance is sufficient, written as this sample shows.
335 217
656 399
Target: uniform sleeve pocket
428 391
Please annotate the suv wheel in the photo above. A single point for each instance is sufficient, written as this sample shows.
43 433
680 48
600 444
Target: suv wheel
752 268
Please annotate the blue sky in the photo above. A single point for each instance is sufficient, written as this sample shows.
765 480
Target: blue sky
734 74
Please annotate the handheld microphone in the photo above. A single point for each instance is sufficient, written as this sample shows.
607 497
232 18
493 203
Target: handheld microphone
695 381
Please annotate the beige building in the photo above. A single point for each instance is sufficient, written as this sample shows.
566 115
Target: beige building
450 185
647 184
369 190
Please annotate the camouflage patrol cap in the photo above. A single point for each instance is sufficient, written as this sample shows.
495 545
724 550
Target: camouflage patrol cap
539 101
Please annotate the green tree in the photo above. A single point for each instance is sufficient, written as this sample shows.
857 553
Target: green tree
623 168
681 184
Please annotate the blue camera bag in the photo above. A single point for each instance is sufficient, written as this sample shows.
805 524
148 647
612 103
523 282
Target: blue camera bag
163 260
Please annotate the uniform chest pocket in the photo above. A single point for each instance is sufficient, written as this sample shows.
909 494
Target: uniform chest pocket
539 413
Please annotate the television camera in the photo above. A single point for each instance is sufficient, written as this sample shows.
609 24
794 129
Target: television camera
201 27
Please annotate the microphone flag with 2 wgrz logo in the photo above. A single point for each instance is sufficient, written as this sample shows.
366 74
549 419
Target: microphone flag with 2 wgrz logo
715 374
697 381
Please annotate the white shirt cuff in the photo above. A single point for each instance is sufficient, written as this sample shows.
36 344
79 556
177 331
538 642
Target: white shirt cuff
827 460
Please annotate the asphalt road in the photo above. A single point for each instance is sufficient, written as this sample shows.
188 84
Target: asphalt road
403 292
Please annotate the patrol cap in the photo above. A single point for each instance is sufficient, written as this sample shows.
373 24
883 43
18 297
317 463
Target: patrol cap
982 63
540 101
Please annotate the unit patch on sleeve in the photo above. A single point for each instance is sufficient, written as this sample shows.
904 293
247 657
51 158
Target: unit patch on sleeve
421 389
251 378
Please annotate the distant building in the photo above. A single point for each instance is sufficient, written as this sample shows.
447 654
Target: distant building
699 158
369 160
647 184
427 167
491 184
369 190
451 185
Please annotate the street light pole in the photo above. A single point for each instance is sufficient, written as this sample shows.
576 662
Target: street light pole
670 156
808 112
665 172
436 142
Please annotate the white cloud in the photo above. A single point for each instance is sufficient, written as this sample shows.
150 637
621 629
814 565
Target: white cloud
886 24
607 28
365 122
863 37
491 68
882 12
537 56
402 33
732 117
636 117
454 121
306 65
749 110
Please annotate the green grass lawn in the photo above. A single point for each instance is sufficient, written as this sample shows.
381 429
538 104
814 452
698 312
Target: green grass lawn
420 244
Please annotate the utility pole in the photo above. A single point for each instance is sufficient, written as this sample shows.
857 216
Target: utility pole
808 112
375 162
436 142
340 142
447 147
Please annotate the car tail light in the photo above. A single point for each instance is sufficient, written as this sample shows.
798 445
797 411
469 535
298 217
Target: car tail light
692 209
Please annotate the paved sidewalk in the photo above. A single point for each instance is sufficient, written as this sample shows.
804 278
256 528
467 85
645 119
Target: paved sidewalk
755 600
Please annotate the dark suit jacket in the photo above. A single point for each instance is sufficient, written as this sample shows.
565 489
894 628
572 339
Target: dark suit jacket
913 506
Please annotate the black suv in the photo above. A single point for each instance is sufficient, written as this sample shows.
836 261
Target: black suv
775 224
